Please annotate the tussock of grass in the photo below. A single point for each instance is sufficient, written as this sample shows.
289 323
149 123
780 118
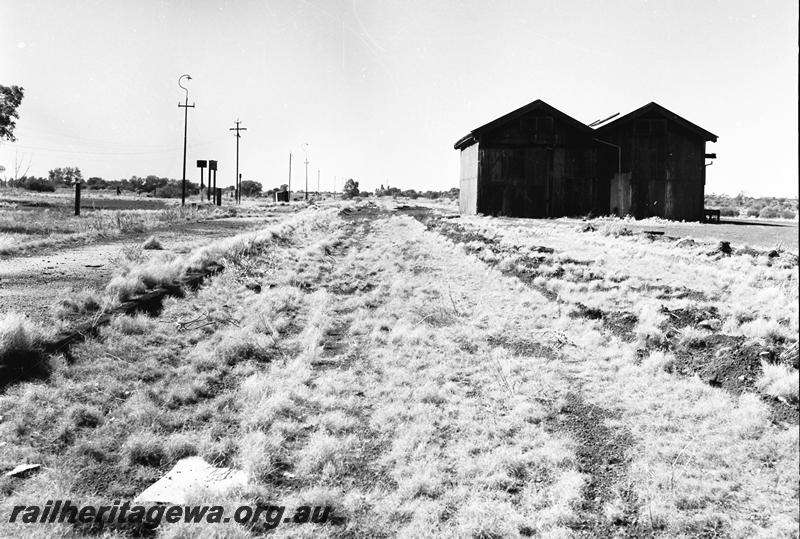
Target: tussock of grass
144 450
80 302
132 325
650 320
693 337
779 381
21 354
86 416
656 361
152 243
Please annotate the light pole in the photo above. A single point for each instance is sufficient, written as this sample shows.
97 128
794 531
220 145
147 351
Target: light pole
186 106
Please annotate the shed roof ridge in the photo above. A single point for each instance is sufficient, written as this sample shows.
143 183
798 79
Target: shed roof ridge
708 135
537 103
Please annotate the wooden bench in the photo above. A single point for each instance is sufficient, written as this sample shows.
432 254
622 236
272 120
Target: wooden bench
709 216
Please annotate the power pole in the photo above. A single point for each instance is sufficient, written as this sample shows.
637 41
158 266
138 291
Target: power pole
186 106
289 187
305 149
238 176
317 182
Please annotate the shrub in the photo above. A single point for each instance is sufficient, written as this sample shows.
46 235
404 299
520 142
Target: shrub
752 212
39 185
788 214
729 212
770 212
21 353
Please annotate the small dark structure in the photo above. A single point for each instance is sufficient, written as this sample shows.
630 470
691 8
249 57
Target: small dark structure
658 167
533 162
538 162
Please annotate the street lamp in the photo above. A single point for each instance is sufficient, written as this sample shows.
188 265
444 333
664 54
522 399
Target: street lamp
186 106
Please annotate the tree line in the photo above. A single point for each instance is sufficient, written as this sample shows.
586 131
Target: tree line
151 185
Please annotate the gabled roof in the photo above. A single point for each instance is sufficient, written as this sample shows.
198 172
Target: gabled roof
473 135
655 107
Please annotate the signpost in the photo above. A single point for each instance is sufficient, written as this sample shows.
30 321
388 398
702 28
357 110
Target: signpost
212 167
201 164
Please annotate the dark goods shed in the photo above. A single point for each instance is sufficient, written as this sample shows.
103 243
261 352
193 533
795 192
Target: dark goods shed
654 163
533 162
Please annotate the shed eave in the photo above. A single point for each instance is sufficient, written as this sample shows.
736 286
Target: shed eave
466 140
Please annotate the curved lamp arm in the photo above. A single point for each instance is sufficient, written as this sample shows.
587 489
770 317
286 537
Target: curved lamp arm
185 89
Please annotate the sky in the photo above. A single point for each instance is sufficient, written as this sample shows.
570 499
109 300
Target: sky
380 90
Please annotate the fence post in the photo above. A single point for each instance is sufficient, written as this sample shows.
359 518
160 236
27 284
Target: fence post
77 197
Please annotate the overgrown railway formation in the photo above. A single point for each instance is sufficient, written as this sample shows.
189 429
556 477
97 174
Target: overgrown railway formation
352 364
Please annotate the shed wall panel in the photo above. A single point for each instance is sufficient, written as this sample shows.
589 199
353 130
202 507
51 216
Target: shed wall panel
468 184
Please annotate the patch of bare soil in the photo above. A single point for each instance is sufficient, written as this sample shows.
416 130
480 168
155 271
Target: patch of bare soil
528 348
602 455
619 323
731 363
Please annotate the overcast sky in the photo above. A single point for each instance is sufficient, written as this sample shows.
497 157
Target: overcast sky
381 89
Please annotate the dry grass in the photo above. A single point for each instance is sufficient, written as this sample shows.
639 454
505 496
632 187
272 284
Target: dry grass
382 370
779 381
30 229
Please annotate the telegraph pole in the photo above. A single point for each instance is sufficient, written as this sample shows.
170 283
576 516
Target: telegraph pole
317 182
289 187
305 149
238 177
186 106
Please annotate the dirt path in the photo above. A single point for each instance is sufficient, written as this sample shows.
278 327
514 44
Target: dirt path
32 284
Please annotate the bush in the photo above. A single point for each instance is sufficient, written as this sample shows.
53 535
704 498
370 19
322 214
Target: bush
38 184
788 214
770 212
752 212
729 212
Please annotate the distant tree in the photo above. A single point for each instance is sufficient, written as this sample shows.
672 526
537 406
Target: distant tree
96 183
350 189
65 176
10 99
32 184
153 182
173 189
251 188
410 193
